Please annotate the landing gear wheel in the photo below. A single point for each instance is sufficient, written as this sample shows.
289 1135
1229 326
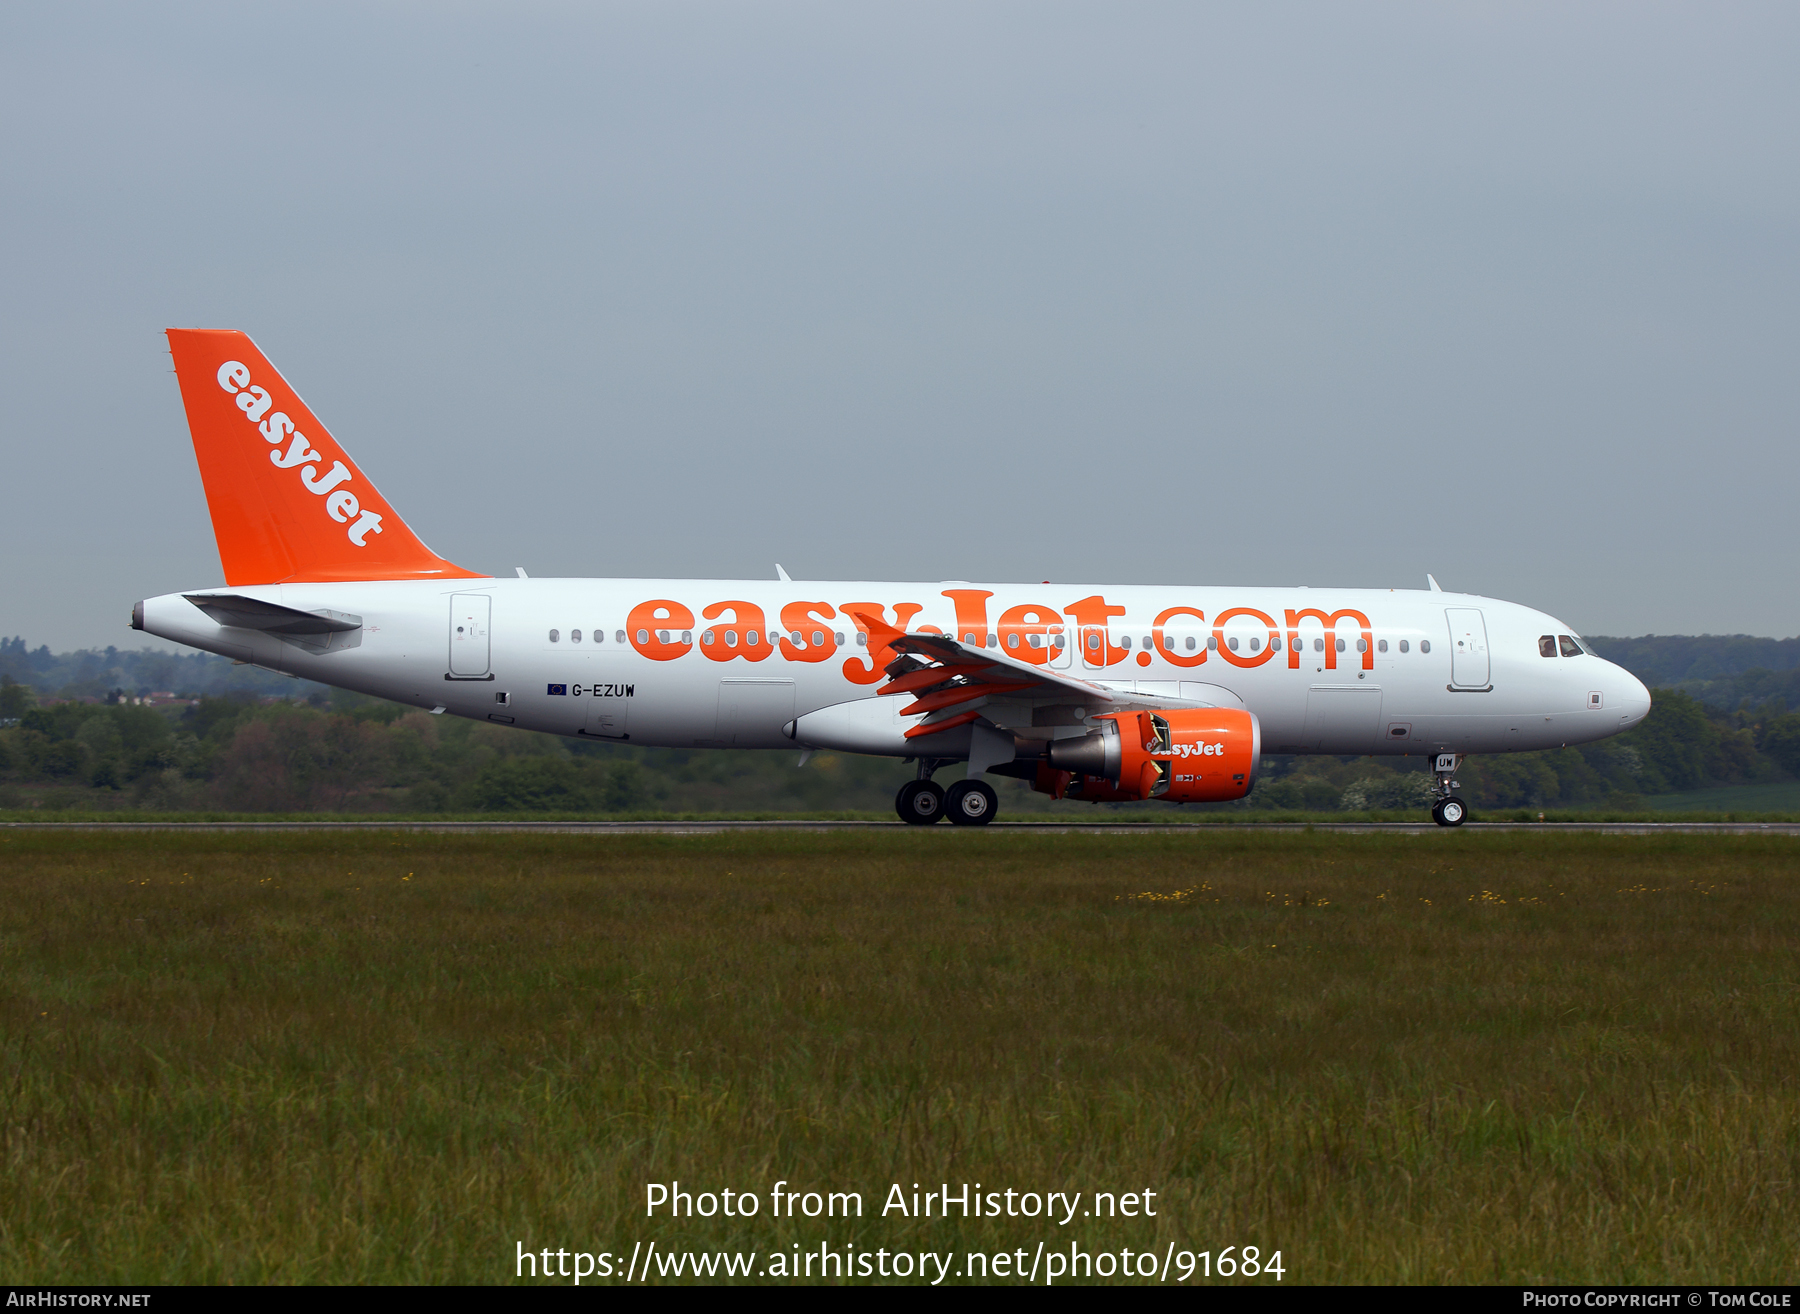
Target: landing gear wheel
919 802
1451 811
971 802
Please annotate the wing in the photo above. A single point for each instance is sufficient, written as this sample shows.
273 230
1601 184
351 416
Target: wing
952 683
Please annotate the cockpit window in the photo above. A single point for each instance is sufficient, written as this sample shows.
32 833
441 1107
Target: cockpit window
1569 647
1547 645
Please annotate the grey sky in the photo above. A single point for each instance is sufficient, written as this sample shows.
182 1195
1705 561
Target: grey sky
1262 294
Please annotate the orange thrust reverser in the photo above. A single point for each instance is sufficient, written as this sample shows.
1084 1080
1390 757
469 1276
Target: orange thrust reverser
1190 755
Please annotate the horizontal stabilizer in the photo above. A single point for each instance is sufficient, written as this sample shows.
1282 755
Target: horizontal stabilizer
254 614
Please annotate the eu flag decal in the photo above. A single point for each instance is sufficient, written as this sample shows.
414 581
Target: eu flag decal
559 691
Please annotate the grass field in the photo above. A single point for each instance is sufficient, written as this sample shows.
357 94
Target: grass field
1699 806
1782 796
1450 1057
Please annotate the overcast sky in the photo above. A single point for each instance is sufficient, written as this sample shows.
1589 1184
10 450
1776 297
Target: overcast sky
1260 294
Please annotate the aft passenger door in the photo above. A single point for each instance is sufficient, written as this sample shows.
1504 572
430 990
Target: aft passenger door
1468 648
469 635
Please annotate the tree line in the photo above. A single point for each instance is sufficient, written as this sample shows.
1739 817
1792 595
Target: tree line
236 745
348 753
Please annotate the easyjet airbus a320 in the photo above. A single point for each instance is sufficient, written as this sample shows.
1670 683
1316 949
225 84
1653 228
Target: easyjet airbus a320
1098 692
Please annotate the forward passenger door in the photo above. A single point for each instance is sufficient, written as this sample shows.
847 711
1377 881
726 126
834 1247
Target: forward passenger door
1468 648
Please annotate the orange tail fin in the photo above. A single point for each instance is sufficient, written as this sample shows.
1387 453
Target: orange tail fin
288 504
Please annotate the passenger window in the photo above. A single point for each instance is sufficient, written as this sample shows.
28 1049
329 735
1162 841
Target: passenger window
574 636
1191 645
1340 645
1569 647
1403 645
554 636
1274 645
1424 645
1546 645
620 636
731 638
1125 642
1212 643
706 637
1318 645
1381 645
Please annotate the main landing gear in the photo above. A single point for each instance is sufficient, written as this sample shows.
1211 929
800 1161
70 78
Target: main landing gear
1449 810
968 802
919 802
971 802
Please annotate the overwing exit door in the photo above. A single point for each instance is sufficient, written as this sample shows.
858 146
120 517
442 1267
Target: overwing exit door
1468 648
469 635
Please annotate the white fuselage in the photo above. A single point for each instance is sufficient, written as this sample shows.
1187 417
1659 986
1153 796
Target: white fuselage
1442 672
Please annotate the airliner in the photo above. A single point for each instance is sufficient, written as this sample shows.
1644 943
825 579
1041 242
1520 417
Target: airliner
1098 692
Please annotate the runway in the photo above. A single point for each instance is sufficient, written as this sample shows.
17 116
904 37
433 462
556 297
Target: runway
1425 828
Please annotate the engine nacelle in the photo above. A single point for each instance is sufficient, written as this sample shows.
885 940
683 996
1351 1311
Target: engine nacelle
1186 755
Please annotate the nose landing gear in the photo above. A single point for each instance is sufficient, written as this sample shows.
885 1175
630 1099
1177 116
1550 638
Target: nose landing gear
1449 810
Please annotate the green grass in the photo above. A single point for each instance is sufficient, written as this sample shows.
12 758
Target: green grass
1782 797
1130 814
391 1058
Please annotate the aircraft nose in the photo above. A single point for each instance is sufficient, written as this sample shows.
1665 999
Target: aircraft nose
1634 699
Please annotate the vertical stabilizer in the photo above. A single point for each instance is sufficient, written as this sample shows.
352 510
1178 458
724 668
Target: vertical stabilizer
287 503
